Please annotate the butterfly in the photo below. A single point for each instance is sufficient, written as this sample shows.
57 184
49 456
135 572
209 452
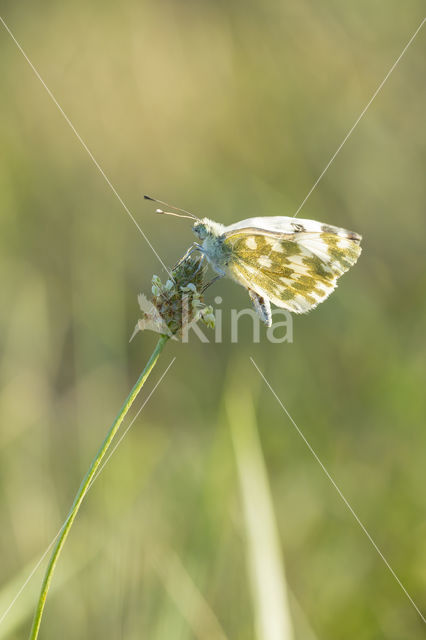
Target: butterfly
293 263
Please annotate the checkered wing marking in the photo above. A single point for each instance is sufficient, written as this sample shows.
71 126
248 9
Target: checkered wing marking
296 271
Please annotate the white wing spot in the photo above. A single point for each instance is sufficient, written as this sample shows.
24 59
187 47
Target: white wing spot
264 261
298 260
302 304
322 287
277 247
251 243
315 246
343 243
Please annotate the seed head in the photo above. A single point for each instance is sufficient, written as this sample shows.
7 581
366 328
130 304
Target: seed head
178 303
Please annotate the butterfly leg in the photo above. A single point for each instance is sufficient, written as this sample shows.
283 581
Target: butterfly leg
206 286
201 262
192 248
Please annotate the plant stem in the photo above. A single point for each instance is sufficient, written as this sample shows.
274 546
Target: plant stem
85 484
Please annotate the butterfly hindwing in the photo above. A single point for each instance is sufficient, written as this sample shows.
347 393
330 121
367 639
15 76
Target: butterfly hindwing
295 268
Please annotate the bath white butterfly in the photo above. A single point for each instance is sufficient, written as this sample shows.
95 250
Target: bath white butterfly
295 264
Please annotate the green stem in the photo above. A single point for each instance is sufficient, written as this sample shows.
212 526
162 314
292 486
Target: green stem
86 484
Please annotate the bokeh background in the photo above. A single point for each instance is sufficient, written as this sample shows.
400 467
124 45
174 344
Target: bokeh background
228 109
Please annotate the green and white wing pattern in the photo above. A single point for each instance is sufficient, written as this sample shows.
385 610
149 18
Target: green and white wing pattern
294 264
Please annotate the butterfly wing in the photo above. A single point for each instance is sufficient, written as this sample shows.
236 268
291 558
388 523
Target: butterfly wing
287 225
295 268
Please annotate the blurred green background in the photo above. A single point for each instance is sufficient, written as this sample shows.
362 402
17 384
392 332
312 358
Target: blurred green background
229 109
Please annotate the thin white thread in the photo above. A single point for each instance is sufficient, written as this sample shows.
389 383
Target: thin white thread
130 425
84 145
339 492
4 614
362 113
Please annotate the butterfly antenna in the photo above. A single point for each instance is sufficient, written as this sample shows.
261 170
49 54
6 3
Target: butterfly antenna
188 214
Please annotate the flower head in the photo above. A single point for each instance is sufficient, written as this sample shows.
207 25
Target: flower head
177 303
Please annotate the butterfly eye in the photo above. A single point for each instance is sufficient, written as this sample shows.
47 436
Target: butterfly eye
200 230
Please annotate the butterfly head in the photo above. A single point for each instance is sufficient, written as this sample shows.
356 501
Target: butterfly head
205 228
200 230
